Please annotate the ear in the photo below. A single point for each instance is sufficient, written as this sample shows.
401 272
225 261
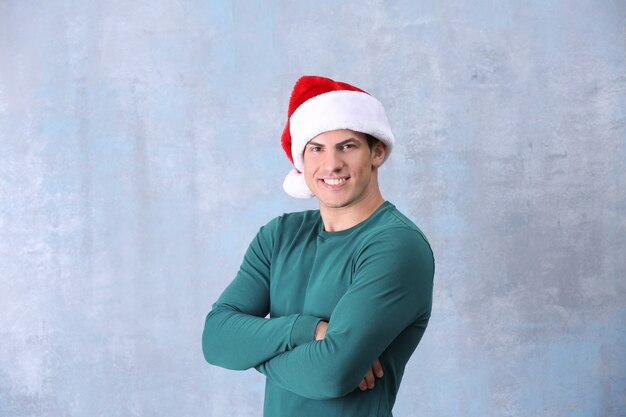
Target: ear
378 154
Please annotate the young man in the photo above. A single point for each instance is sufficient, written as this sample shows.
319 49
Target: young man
348 287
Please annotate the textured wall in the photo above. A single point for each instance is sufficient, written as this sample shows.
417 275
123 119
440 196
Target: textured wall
139 154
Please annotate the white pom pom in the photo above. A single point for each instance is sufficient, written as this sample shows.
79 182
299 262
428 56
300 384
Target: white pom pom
295 185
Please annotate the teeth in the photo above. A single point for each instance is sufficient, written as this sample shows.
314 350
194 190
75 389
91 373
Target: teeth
335 181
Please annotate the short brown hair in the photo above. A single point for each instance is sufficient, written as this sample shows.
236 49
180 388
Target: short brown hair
371 140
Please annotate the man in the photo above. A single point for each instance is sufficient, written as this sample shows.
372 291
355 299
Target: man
348 287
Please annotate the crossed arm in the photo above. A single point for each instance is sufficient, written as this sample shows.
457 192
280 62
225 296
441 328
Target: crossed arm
389 292
376 370
236 333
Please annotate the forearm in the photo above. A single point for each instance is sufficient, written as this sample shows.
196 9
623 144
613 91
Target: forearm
328 368
236 340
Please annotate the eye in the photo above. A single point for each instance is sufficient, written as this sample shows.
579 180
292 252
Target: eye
347 146
314 148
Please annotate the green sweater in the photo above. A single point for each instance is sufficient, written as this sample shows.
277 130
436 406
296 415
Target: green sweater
372 282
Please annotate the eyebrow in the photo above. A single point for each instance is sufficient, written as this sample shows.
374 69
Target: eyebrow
343 142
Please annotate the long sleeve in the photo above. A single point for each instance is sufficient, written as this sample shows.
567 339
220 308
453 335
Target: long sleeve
391 291
236 333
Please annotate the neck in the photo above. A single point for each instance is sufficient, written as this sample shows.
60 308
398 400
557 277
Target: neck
342 218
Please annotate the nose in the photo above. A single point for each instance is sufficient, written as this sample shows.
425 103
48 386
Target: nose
333 161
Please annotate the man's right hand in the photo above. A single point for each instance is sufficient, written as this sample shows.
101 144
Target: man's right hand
375 371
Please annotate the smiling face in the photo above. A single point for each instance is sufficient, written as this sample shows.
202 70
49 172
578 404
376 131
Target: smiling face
341 169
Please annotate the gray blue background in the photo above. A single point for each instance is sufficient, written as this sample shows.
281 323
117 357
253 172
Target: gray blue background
139 154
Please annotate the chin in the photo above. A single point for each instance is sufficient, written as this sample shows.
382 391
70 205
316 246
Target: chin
334 203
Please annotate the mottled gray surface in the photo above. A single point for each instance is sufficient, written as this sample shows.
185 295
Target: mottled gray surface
139 154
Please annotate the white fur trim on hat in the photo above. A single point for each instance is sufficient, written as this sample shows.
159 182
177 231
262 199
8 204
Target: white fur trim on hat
295 185
342 109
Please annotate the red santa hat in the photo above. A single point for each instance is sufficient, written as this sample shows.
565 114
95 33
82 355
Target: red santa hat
319 105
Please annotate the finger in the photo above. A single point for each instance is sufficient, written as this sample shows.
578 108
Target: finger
369 378
378 369
320 330
363 385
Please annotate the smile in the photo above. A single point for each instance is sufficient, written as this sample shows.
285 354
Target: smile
334 181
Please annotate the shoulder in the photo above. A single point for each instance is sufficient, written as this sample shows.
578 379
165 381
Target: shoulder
283 229
395 231
291 222
395 253
395 247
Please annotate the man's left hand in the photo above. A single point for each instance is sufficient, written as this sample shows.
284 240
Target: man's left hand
375 371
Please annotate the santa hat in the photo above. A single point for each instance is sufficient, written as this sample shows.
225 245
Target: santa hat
319 105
